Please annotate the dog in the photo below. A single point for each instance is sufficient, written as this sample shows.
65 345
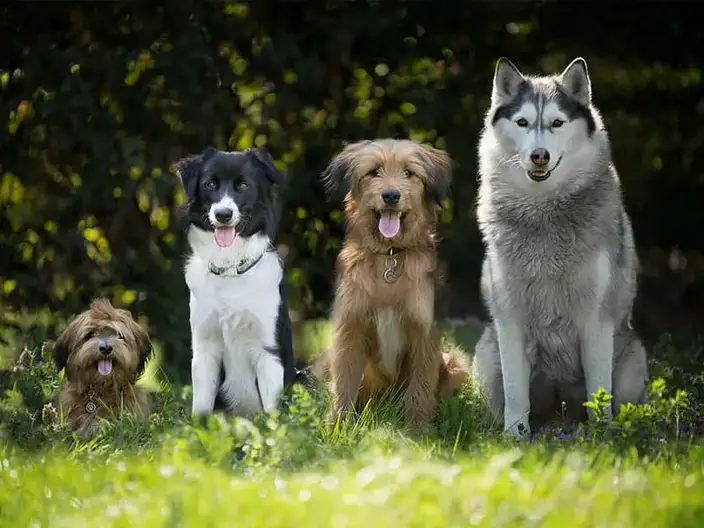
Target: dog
240 325
559 275
385 333
103 351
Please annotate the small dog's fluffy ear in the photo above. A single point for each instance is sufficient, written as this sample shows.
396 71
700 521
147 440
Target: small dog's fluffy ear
438 167
266 162
65 342
338 174
143 342
189 170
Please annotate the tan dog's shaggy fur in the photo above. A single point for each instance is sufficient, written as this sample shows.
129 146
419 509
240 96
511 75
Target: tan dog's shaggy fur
385 335
101 334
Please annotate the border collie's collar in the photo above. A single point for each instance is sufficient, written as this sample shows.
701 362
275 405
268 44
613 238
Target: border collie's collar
236 269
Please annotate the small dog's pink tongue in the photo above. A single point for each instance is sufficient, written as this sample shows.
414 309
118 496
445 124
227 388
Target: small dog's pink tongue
390 223
105 367
225 236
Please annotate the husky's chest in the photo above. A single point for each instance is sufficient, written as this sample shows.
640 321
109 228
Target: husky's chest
390 340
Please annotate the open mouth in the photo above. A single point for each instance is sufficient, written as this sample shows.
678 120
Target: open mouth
105 367
539 175
225 235
389 222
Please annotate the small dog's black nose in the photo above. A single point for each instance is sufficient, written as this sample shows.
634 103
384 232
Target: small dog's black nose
105 348
223 215
540 156
391 196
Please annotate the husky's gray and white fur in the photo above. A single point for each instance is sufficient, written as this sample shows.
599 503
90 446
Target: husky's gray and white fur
559 274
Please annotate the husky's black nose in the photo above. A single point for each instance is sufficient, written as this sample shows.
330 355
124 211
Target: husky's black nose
391 196
540 156
223 215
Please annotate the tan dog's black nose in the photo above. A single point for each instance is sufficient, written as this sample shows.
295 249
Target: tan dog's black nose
540 156
391 196
105 348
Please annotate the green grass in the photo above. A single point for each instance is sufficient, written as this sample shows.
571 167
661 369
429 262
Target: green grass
289 469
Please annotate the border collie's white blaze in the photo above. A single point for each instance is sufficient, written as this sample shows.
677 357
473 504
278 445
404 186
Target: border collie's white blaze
241 332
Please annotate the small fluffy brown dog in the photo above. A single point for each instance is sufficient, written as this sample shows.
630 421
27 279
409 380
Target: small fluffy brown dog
385 334
104 350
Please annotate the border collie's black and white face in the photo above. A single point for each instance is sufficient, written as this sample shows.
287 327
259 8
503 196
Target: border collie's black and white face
231 193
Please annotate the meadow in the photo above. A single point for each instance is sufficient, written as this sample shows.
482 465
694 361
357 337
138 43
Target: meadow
644 469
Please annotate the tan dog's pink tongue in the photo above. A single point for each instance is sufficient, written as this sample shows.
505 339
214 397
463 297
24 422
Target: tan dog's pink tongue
390 223
104 367
225 236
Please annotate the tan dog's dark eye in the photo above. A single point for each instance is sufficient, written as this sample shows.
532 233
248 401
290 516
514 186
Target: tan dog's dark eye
407 173
120 336
375 172
242 186
89 335
210 185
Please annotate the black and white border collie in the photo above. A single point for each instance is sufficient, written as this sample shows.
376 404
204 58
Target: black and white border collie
240 326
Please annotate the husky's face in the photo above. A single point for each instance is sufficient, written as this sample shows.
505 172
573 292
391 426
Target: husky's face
541 122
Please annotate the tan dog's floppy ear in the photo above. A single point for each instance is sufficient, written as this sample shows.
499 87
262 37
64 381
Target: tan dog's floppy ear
438 167
189 170
337 175
266 162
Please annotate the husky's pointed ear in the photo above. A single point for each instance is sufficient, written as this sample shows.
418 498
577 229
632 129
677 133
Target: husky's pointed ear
266 162
438 167
337 176
189 170
507 80
576 81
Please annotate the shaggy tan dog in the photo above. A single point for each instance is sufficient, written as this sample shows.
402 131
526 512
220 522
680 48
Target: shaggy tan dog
385 335
104 350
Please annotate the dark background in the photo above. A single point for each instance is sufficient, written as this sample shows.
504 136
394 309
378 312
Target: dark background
99 99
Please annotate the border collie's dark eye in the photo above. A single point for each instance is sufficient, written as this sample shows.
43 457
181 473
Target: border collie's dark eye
557 123
242 186
407 173
522 122
211 185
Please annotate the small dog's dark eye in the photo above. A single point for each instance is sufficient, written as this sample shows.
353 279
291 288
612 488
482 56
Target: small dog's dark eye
407 173
557 123
242 186
89 335
522 122
120 336
210 185
374 172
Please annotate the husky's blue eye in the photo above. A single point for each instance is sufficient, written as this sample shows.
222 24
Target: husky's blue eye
557 123
522 122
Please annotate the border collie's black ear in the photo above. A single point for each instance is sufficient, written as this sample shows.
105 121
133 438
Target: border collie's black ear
189 170
265 161
337 175
438 167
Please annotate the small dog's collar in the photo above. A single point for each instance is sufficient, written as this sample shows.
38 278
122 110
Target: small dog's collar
235 270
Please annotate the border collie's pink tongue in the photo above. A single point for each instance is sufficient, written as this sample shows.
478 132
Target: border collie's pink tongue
225 236
390 223
105 367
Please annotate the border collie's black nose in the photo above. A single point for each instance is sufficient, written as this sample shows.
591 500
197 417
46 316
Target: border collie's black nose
540 156
391 196
105 348
223 215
